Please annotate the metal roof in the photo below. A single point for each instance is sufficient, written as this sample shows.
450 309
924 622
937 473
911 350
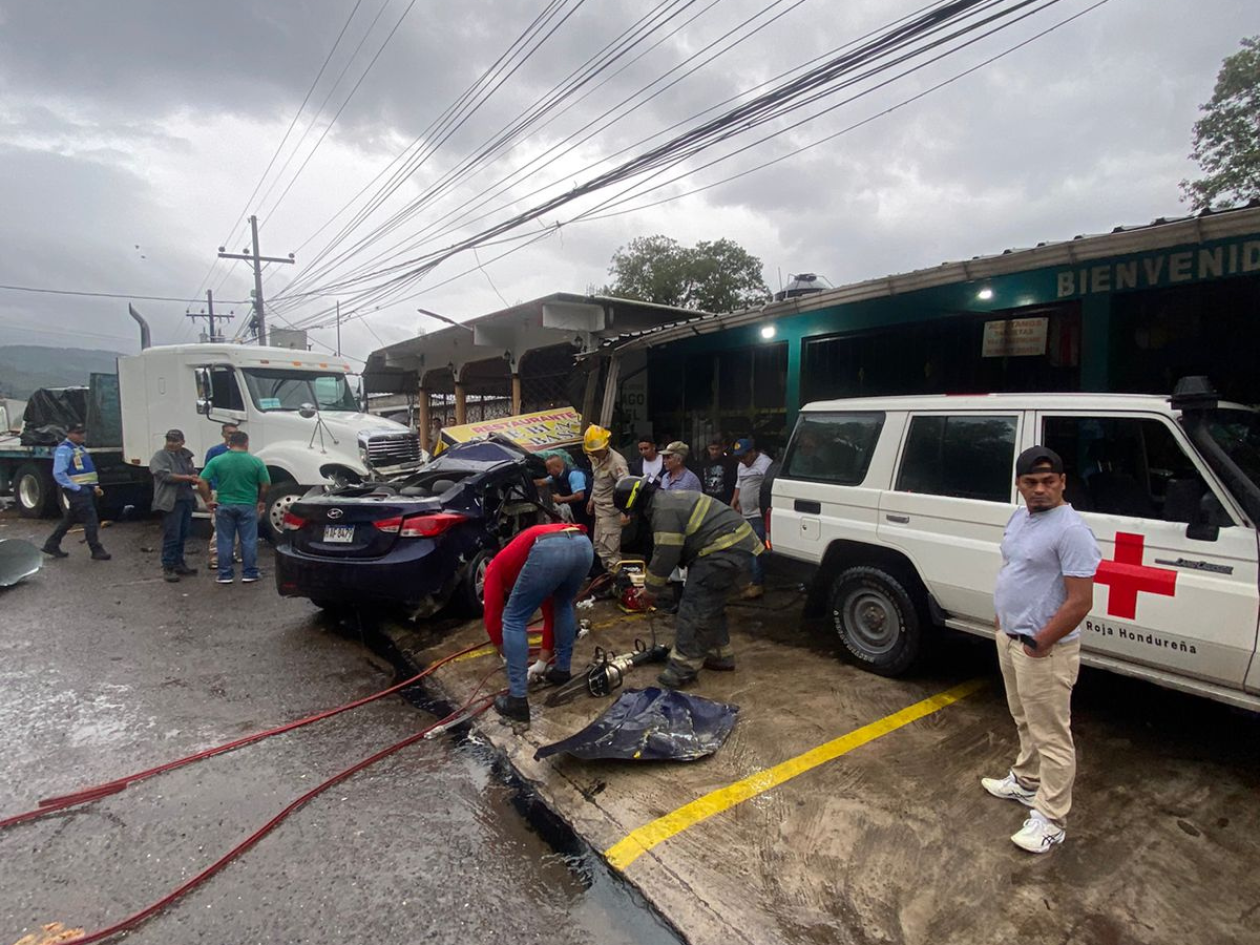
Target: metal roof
1159 233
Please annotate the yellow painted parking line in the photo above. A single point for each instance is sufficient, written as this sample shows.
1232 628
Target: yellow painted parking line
489 650
643 839
535 639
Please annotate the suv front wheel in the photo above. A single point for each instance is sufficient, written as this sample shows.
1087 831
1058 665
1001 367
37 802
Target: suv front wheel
876 619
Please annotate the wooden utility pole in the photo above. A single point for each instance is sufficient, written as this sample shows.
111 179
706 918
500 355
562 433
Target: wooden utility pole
208 314
260 311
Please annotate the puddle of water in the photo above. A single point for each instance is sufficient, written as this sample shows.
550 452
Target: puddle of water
598 903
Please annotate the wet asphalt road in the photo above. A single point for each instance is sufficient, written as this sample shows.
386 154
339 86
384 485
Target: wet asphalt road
106 670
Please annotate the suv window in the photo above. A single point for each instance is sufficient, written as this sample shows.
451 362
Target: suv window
833 447
966 457
1125 466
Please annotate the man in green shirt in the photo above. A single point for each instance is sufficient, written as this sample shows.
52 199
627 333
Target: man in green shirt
242 482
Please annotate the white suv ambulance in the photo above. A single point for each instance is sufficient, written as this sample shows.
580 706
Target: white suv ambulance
901 503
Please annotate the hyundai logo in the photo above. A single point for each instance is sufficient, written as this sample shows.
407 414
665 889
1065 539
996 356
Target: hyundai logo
335 513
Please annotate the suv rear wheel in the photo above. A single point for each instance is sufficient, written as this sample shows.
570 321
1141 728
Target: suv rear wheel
876 618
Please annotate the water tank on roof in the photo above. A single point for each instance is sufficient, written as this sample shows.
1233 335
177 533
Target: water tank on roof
803 283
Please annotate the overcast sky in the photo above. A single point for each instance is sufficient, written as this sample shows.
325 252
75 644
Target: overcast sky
132 134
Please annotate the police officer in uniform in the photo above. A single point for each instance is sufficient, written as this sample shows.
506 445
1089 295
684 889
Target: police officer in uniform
716 546
75 473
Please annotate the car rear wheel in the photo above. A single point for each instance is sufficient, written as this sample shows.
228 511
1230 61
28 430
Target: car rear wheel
471 593
35 491
877 620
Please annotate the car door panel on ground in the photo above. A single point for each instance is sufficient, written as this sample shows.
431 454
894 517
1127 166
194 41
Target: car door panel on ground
951 499
1161 598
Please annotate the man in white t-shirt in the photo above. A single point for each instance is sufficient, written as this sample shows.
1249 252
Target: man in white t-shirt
751 473
1044 590
649 463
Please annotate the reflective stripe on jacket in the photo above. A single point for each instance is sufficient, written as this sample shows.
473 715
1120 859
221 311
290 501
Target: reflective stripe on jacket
73 468
689 525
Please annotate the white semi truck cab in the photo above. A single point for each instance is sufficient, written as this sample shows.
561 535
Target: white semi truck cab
297 407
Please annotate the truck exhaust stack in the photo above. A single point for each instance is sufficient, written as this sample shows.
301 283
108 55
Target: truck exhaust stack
145 338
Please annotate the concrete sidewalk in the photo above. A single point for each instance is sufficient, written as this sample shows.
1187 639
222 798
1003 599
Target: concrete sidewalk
847 807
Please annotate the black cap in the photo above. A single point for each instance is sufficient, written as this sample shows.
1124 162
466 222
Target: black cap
76 428
1036 456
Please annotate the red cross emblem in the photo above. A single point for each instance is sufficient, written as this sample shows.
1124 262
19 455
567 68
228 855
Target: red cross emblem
1127 577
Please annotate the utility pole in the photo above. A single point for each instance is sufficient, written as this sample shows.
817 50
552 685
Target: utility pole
208 314
338 327
260 314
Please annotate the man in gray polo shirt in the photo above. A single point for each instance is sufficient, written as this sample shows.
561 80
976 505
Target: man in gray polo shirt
1044 590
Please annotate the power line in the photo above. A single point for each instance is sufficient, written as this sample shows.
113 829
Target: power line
781 100
342 108
438 132
104 295
245 209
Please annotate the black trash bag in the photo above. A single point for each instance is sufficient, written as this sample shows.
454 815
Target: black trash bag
651 725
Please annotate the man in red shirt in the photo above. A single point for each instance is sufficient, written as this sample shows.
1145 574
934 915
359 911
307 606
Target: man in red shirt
543 566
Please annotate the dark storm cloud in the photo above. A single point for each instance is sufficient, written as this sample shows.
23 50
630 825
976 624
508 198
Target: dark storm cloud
1078 132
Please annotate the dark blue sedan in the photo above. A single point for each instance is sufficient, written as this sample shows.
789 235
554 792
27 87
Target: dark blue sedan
421 542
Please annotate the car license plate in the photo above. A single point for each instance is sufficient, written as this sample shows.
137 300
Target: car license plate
339 533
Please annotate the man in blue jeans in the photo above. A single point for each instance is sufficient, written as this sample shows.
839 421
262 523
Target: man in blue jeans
556 561
240 500
174 477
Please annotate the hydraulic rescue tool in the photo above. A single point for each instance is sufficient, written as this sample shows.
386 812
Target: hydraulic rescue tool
607 672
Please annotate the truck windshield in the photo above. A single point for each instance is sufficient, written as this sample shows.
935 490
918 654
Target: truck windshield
272 389
1237 433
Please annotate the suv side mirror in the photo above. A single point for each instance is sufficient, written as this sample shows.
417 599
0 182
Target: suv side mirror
306 411
1207 520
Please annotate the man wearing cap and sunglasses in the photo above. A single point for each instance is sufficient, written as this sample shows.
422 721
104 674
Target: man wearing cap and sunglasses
74 472
174 476
1044 590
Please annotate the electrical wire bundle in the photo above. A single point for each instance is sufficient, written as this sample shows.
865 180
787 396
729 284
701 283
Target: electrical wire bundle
911 43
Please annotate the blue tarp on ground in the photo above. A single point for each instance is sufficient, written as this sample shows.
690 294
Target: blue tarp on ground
652 725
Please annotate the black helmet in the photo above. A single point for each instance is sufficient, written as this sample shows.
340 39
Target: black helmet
631 494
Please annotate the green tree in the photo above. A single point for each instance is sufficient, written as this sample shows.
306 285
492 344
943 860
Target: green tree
720 276
1227 137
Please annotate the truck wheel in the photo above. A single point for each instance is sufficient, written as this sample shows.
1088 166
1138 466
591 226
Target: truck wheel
877 620
471 593
35 491
279 498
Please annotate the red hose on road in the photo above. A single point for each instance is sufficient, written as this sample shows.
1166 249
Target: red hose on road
52 804
472 708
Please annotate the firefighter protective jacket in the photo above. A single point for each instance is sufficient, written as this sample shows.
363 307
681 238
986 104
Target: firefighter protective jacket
691 525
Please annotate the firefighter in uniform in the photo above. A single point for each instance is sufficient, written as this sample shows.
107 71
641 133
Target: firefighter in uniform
76 475
607 468
716 545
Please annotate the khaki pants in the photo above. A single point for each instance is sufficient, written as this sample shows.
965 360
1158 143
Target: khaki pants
1039 694
608 538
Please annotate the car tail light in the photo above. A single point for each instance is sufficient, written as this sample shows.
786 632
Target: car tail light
390 525
293 522
430 526
767 541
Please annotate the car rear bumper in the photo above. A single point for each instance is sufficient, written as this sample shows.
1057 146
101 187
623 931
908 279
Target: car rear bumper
412 573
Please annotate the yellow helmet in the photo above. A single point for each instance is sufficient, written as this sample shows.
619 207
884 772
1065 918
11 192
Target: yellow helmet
595 438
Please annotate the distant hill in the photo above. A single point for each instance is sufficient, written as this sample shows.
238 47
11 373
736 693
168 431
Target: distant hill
23 368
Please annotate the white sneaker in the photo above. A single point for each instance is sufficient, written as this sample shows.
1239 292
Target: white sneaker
1008 789
1038 835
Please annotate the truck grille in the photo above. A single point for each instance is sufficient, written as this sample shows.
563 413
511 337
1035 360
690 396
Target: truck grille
393 449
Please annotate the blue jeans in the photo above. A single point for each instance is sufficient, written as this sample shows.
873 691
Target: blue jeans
231 522
175 527
758 569
555 568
